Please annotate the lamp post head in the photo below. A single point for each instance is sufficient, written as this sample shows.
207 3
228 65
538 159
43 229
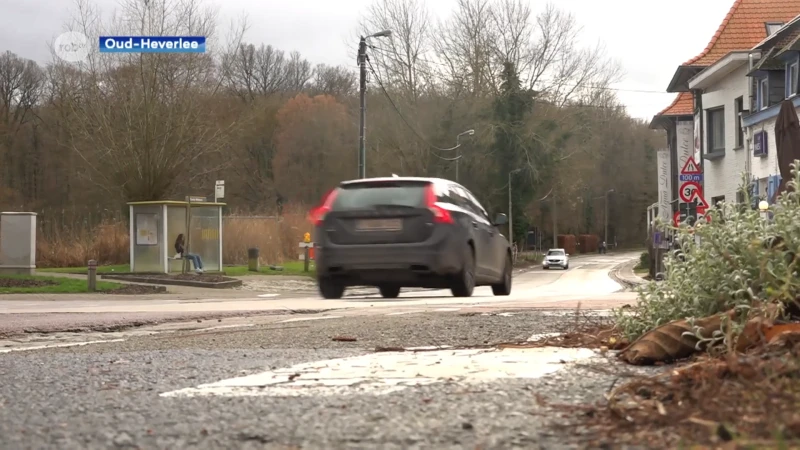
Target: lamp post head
466 133
384 33
763 206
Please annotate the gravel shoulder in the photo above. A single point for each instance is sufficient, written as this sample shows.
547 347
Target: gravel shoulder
107 395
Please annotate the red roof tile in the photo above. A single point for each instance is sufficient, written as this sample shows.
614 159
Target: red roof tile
683 105
743 27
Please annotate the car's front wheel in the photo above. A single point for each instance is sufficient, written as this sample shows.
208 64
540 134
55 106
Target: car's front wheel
330 289
389 291
504 287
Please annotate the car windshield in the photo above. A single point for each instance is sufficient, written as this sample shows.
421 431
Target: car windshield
380 194
555 253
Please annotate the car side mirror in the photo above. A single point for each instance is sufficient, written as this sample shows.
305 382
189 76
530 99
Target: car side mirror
501 219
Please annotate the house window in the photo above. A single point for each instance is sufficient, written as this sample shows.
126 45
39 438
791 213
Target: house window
763 94
716 130
791 79
738 106
773 27
715 201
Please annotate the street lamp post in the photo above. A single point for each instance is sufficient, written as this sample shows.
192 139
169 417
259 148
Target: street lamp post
510 212
362 68
458 144
605 218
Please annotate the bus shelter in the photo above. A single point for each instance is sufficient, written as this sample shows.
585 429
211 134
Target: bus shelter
155 226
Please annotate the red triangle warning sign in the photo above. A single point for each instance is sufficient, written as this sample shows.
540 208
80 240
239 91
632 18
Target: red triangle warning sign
691 167
701 202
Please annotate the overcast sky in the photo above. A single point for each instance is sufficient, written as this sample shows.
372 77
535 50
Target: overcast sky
649 39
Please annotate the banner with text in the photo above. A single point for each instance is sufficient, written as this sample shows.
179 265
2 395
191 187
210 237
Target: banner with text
664 186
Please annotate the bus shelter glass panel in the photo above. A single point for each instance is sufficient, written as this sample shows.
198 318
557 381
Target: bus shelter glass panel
148 236
206 235
176 224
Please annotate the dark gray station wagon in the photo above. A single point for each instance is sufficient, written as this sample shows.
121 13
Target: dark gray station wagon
400 232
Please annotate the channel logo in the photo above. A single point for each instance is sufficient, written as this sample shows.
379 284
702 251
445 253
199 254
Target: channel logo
71 46
152 44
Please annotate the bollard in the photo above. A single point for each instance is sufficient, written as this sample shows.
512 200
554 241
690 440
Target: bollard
92 275
305 259
253 264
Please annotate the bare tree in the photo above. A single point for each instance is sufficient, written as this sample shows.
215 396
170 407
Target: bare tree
337 81
465 49
251 72
21 83
401 59
144 122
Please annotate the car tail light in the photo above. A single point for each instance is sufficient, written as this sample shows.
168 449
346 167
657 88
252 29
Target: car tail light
440 215
317 215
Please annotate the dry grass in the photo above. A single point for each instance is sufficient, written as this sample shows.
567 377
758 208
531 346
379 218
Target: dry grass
107 243
276 237
73 245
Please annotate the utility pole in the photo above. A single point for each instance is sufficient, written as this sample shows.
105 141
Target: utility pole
361 59
555 219
510 213
510 206
606 217
362 87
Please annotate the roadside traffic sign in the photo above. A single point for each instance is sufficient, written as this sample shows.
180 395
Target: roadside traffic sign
698 178
702 204
691 167
676 218
689 190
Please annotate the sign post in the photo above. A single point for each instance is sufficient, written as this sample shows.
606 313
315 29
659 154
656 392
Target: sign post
219 190
693 205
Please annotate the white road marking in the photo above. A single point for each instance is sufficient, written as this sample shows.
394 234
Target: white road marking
386 372
301 319
66 344
447 309
219 327
268 295
404 312
537 337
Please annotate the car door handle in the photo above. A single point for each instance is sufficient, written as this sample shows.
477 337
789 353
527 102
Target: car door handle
475 225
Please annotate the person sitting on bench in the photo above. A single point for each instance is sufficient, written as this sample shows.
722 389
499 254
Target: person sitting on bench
195 259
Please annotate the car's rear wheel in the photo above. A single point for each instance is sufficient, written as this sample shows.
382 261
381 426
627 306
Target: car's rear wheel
330 289
389 291
464 283
504 288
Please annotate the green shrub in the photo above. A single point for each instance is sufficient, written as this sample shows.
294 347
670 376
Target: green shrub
644 261
731 265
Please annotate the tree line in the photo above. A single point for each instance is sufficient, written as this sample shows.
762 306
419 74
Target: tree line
280 130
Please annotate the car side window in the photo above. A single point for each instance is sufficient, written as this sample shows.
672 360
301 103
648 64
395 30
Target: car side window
444 194
459 198
476 206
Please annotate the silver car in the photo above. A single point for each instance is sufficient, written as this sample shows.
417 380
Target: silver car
556 257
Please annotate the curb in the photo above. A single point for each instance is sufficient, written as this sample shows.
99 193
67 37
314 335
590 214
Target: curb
188 283
628 283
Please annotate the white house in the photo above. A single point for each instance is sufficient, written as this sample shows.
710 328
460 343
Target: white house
723 91
718 81
774 77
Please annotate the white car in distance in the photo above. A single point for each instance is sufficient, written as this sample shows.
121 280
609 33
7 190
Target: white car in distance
556 257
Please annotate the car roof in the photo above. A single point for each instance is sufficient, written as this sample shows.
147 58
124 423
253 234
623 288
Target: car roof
367 180
557 250
435 181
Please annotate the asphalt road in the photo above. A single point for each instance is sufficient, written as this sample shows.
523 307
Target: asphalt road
144 389
260 374
586 282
